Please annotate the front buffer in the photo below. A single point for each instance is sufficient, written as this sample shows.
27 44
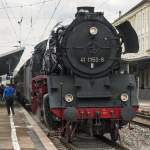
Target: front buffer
113 104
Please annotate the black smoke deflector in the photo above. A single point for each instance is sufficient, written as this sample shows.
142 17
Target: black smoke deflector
129 37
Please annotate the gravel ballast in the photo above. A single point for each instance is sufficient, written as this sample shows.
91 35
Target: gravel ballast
136 139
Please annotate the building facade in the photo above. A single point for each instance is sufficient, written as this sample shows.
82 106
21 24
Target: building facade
139 17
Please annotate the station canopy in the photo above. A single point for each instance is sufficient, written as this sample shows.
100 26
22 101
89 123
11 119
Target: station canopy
137 57
9 60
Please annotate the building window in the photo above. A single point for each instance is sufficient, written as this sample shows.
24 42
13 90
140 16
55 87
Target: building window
146 78
139 44
146 43
142 44
146 20
143 17
148 82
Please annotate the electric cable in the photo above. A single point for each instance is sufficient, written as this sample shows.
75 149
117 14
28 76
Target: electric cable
50 20
103 3
13 29
26 5
32 29
6 6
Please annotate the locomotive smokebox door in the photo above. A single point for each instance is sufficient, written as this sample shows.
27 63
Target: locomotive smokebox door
90 44
129 37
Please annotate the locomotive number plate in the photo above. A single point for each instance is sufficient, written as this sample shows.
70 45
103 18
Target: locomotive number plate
92 59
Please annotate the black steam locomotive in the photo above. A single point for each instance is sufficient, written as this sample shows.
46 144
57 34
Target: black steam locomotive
85 87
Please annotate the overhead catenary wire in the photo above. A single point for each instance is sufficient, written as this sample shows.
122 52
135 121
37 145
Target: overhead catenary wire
31 18
13 29
6 6
25 5
4 42
50 20
36 18
103 3
20 26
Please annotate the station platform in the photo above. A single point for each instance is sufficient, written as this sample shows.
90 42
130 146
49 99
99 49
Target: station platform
21 132
144 105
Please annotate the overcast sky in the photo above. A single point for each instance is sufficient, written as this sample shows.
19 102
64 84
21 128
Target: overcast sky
35 17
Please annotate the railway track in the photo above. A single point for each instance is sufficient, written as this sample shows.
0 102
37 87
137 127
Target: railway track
80 142
143 115
143 119
101 143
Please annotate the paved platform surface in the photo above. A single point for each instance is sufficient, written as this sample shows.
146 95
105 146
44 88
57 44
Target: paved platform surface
21 132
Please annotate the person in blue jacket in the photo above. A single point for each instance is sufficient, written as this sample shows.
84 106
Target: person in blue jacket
8 95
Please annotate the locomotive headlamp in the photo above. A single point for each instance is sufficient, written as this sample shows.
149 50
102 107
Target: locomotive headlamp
124 97
93 30
68 98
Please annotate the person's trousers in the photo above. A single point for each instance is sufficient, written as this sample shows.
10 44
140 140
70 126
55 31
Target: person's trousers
1 99
10 105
